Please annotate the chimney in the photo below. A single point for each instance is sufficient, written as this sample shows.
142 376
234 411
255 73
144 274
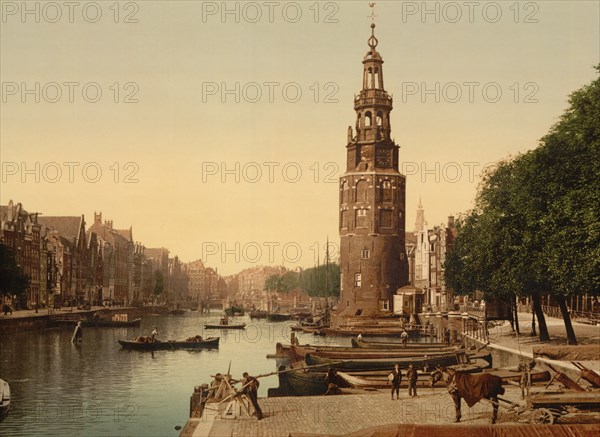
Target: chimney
451 221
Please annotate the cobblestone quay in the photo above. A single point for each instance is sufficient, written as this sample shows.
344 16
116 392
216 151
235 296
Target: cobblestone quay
346 414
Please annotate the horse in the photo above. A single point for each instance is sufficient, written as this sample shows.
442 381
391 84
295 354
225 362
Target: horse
471 387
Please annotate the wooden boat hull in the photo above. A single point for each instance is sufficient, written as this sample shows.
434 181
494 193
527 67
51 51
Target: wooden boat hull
278 317
306 383
258 314
105 323
209 343
365 344
388 363
379 380
177 312
217 326
234 311
4 399
299 352
372 332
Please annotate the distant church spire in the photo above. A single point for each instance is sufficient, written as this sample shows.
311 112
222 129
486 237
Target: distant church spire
420 222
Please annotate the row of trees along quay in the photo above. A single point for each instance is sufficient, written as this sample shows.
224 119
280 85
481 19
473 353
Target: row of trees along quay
12 279
321 281
535 225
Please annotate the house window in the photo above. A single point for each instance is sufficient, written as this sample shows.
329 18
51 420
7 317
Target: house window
365 254
357 279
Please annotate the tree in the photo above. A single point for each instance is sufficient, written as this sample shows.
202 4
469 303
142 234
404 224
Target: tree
322 281
274 283
159 283
12 279
535 227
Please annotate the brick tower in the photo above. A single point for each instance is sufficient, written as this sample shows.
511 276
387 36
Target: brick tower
373 260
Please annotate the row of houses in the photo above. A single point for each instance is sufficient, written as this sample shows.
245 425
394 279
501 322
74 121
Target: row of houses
426 249
67 261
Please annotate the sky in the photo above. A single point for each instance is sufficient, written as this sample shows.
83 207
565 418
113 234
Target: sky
218 129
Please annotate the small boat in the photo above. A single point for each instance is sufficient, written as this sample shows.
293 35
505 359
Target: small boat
372 331
4 399
388 363
379 379
365 344
108 323
177 312
234 311
259 314
303 381
278 317
227 326
344 353
207 343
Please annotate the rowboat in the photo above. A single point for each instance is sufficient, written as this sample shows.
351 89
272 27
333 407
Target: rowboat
234 311
218 326
278 317
372 331
107 323
4 399
177 312
388 363
208 343
366 344
298 353
380 379
311 382
258 314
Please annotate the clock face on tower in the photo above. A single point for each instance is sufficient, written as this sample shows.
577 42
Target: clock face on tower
382 158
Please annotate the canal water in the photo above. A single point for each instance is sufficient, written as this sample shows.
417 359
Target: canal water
100 389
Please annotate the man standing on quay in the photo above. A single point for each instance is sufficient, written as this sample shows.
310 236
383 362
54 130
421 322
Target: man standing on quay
395 378
250 388
411 375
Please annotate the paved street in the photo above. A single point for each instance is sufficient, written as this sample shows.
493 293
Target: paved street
337 415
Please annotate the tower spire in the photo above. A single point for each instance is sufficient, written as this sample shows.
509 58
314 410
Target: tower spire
372 40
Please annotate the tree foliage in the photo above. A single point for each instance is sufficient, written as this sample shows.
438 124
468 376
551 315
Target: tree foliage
12 280
159 282
316 281
535 227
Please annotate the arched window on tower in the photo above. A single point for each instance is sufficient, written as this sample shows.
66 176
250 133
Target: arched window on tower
379 118
362 191
376 81
345 192
368 118
370 79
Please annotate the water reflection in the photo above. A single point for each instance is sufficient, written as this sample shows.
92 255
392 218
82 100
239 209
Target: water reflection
100 389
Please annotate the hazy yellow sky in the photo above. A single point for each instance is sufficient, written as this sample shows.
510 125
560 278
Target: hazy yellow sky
264 91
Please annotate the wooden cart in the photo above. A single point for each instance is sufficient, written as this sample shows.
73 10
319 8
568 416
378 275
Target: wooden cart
547 408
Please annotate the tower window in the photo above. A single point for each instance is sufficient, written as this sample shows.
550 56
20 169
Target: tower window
362 191
365 254
368 118
379 119
386 191
358 280
345 192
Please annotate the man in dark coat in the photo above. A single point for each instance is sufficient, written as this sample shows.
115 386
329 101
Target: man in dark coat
250 388
396 378
411 375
